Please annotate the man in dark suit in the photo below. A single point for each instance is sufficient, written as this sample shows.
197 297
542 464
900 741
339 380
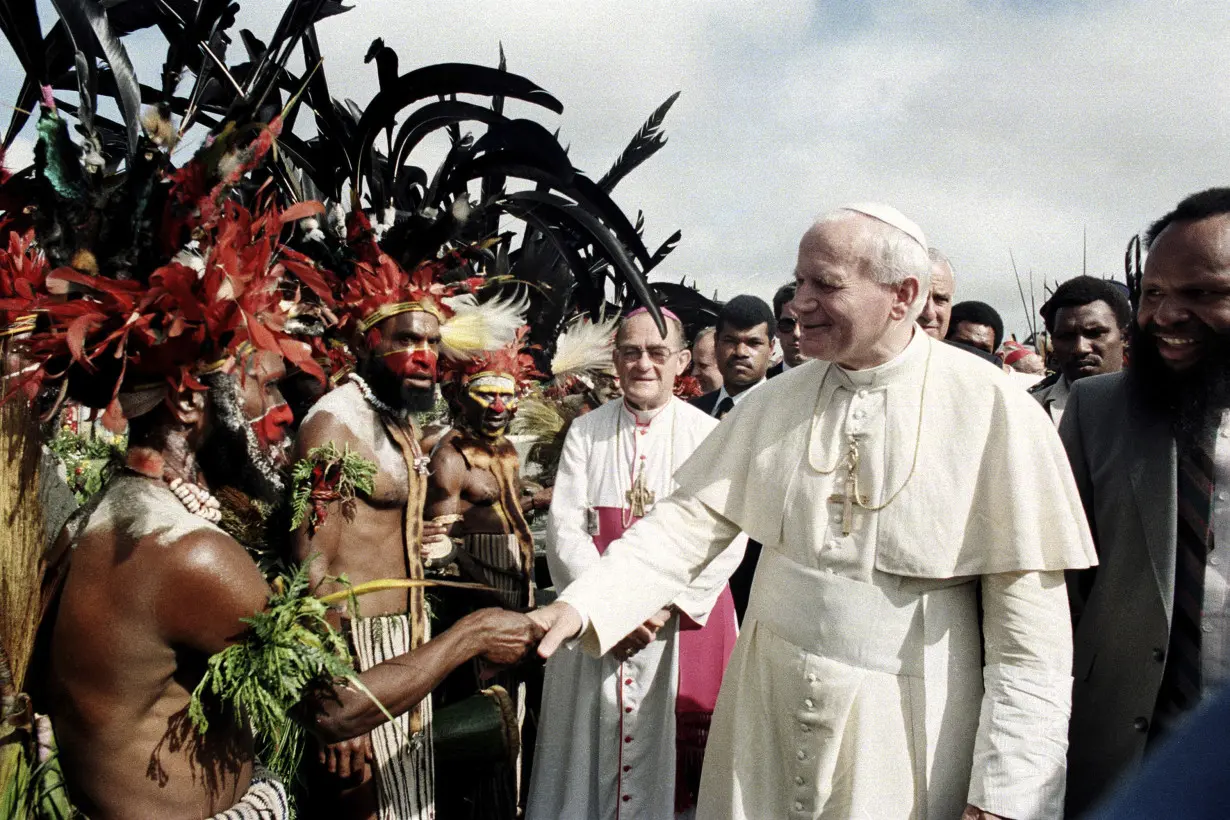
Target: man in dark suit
1150 450
977 325
789 333
744 335
744 332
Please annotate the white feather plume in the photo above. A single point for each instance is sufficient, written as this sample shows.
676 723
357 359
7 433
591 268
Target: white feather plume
584 348
476 326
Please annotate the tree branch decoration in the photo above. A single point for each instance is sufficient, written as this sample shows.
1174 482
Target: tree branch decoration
325 476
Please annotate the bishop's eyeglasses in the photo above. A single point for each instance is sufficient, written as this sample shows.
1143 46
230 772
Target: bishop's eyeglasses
630 354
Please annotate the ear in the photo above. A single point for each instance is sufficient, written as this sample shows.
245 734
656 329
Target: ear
685 359
187 406
904 296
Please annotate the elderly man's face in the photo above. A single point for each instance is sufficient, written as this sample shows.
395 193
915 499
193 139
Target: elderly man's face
974 335
1185 292
704 363
936 313
1087 341
646 363
843 311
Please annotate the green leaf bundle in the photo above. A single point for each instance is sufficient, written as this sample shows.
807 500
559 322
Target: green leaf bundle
288 651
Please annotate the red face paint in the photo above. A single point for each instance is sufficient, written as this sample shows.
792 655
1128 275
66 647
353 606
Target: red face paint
409 363
272 427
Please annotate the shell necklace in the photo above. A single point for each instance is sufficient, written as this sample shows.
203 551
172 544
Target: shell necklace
195 498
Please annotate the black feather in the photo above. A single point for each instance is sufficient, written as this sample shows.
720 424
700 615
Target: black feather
646 142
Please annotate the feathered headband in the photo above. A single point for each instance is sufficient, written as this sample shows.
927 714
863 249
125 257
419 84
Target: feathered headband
511 361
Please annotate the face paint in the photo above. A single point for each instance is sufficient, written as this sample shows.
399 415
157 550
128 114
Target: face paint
410 362
495 397
272 427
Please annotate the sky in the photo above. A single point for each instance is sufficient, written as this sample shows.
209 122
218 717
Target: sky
1022 127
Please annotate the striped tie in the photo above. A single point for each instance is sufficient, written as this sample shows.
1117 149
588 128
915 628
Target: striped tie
1181 681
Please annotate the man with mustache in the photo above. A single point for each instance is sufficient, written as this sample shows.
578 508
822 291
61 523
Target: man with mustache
1088 321
396 338
1150 449
884 478
248 451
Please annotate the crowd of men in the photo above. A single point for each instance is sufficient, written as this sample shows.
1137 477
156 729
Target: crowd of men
914 568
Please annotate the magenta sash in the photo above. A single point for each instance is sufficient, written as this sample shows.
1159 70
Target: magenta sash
703 655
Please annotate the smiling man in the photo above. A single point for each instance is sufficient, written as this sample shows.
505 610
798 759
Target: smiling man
624 735
1088 321
883 479
1150 448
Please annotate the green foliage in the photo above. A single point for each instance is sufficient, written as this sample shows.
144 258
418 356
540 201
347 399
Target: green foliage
287 652
89 462
328 475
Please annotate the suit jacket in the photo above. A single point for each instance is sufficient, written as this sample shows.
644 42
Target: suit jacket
1123 459
707 402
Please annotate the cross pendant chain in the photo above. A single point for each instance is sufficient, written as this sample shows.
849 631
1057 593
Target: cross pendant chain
640 497
849 497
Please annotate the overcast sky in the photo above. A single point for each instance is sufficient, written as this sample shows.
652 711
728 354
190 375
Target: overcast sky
997 126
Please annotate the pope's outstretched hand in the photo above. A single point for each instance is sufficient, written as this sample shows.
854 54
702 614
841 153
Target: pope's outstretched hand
560 621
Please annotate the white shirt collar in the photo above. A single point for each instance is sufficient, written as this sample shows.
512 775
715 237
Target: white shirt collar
722 395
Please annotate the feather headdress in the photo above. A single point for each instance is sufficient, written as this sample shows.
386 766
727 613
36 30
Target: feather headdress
584 349
513 361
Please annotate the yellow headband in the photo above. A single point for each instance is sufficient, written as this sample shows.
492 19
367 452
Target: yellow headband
396 308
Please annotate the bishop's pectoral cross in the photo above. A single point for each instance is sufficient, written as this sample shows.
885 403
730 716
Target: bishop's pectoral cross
640 497
849 497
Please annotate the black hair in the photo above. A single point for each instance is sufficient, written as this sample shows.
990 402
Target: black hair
744 312
784 294
1084 290
978 313
1212 202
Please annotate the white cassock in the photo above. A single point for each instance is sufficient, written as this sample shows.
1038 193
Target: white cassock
857 687
607 733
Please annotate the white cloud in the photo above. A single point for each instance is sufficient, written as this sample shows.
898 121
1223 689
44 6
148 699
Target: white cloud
997 124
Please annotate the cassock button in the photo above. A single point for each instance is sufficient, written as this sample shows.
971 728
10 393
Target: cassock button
628 739
1141 724
798 805
628 681
627 797
804 727
627 768
799 781
811 678
809 703
802 755
862 394
628 709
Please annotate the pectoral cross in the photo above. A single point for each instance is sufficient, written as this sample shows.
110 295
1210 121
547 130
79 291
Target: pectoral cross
640 497
849 497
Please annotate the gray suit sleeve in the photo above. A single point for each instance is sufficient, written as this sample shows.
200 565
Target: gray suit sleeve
1071 432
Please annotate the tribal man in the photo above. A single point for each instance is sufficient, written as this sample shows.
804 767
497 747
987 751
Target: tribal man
884 480
396 321
475 491
624 735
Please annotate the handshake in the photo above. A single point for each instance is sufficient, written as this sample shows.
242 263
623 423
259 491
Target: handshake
502 637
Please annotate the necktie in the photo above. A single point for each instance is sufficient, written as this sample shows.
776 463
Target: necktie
724 407
1181 681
